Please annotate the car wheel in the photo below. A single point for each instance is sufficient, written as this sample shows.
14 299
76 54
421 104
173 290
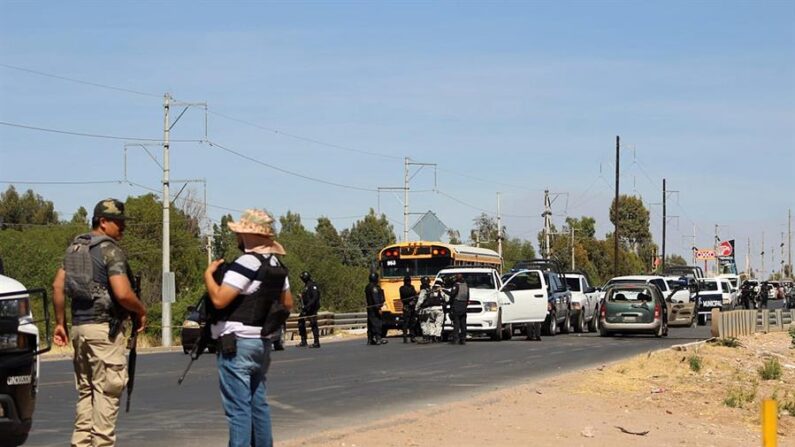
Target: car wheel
593 325
497 334
580 326
507 332
702 320
567 327
551 326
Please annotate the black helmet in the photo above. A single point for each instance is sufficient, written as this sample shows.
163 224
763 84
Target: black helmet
305 277
373 277
407 280
425 280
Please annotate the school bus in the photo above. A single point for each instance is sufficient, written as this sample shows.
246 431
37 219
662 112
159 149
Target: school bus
418 259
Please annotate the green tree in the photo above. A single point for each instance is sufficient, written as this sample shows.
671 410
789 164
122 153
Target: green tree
80 217
224 240
633 221
674 259
29 209
484 232
367 237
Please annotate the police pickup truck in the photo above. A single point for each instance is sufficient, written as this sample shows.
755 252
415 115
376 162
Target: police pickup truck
495 306
19 362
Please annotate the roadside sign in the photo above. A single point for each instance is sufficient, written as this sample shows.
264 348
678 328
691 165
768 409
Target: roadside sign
705 254
725 249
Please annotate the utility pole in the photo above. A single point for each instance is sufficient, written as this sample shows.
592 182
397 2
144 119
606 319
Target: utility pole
664 224
499 228
165 330
715 248
762 275
748 259
405 199
615 224
571 229
789 241
781 270
547 221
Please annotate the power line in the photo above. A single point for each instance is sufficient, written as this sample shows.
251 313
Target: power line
288 172
61 182
90 135
306 139
78 81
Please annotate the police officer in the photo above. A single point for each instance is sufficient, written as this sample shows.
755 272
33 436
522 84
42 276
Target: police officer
99 358
310 304
408 296
458 309
374 296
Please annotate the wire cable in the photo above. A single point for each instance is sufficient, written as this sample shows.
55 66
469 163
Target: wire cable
285 171
305 139
78 81
91 135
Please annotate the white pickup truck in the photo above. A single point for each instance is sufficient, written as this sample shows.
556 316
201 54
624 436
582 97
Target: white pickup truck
496 306
584 303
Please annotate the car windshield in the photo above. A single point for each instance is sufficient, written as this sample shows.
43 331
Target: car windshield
573 283
629 294
709 286
475 280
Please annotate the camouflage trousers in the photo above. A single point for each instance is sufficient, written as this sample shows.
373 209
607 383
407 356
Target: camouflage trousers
431 320
100 377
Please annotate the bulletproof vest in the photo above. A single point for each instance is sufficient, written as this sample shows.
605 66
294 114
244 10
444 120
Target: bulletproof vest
463 292
86 280
252 309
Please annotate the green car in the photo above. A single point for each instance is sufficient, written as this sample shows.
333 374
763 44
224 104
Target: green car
633 308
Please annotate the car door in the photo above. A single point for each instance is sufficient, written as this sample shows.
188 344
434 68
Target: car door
524 298
590 298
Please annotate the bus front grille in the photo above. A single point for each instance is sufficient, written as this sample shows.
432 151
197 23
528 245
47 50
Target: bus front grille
398 305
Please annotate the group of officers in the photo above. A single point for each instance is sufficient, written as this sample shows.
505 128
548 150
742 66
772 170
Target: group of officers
423 312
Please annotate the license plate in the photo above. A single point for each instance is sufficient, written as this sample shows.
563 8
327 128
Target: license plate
630 319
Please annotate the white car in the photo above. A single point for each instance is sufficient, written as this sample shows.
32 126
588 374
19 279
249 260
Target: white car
584 303
680 296
734 281
728 296
494 307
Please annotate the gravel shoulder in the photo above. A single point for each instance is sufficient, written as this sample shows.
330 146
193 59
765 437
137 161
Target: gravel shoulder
654 399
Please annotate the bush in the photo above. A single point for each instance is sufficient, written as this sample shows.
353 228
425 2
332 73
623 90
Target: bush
730 342
695 363
771 370
738 397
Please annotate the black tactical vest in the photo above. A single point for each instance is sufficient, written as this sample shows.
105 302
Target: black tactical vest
252 309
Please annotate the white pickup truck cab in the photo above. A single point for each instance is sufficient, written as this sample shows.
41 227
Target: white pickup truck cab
584 303
496 306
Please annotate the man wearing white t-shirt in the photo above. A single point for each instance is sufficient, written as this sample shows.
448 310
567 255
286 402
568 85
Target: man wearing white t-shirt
253 282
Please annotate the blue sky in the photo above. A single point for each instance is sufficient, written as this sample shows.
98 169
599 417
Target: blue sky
524 95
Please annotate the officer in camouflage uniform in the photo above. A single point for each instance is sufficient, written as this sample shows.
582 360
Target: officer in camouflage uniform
99 358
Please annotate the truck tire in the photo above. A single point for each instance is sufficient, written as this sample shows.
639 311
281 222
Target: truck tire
551 325
507 332
593 325
702 320
579 325
567 327
497 334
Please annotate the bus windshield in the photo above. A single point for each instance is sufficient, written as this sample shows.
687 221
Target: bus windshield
394 268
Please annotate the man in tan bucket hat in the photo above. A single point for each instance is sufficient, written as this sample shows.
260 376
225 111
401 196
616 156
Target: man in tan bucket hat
251 284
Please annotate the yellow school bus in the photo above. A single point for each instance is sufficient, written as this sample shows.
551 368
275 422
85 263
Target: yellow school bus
422 258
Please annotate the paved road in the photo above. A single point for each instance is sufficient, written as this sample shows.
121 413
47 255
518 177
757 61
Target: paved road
340 384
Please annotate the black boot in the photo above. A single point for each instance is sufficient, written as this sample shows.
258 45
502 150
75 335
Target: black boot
316 344
302 344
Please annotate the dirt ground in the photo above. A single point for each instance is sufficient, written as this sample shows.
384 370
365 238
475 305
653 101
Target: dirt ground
655 399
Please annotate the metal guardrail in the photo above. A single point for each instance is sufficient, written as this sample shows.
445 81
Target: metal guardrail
329 323
745 322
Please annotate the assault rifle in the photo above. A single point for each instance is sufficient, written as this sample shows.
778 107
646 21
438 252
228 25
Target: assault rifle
132 344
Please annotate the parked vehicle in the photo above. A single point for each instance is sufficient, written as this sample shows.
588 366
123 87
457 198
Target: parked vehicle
682 313
664 284
633 308
689 271
710 296
584 302
495 306
19 361
192 327
727 295
559 318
